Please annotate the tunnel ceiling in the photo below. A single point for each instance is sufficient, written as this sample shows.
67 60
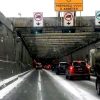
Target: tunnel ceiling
55 44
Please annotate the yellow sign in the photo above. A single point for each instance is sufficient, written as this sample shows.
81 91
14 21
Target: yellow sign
68 5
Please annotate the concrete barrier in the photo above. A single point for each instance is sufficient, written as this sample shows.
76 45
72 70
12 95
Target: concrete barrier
8 81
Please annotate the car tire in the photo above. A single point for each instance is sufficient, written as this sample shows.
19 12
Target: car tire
98 88
88 77
57 72
66 76
70 77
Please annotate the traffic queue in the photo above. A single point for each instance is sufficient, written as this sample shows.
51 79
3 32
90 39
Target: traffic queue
77 69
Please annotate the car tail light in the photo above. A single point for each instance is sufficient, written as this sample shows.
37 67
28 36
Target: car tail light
47 66
71 69
88 66
86 69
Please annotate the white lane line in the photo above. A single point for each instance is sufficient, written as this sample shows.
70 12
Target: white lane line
39 89
39 82
73 89
10 87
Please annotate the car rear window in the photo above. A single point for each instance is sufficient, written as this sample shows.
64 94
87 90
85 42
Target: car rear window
64 64
79 64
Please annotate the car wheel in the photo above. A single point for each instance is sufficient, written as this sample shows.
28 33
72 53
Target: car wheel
98 88
57 72
66 76
70 77
88 77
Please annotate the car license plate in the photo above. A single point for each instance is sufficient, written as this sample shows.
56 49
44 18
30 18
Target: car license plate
79 69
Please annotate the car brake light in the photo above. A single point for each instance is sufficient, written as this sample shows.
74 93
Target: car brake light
88 66
71 69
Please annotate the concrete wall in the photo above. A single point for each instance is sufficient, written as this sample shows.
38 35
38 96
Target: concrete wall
6 21
82 54
14 57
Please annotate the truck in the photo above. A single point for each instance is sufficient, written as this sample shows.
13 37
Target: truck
95 65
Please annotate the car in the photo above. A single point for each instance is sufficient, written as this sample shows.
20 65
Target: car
61 67
77 69
47 67
97 71
98 84
53 67
38 66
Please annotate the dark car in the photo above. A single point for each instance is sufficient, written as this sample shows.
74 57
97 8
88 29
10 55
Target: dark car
53 67
61 67
38 66
98 84
78 69
97 70
47 67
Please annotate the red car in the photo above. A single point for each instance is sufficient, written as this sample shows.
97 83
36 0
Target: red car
77 69
47 66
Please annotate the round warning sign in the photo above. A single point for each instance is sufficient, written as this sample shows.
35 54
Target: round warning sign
38 16
68 16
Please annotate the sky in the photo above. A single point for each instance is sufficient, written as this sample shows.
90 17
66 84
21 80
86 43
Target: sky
11 8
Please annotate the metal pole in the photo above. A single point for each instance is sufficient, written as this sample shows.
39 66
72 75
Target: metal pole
80 18
59 20
74 18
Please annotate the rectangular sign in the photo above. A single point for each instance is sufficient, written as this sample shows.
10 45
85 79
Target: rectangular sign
38 19
97 18
68 18
69 5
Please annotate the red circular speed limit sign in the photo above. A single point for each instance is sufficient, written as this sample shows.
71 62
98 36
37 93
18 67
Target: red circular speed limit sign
68 16
38 16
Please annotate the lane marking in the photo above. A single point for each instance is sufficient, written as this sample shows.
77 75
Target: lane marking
39 89
39 81
10 87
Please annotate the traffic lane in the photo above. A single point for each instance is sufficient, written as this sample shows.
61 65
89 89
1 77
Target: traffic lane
41 86
86 85
51 90
38 86
27 90
84 88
